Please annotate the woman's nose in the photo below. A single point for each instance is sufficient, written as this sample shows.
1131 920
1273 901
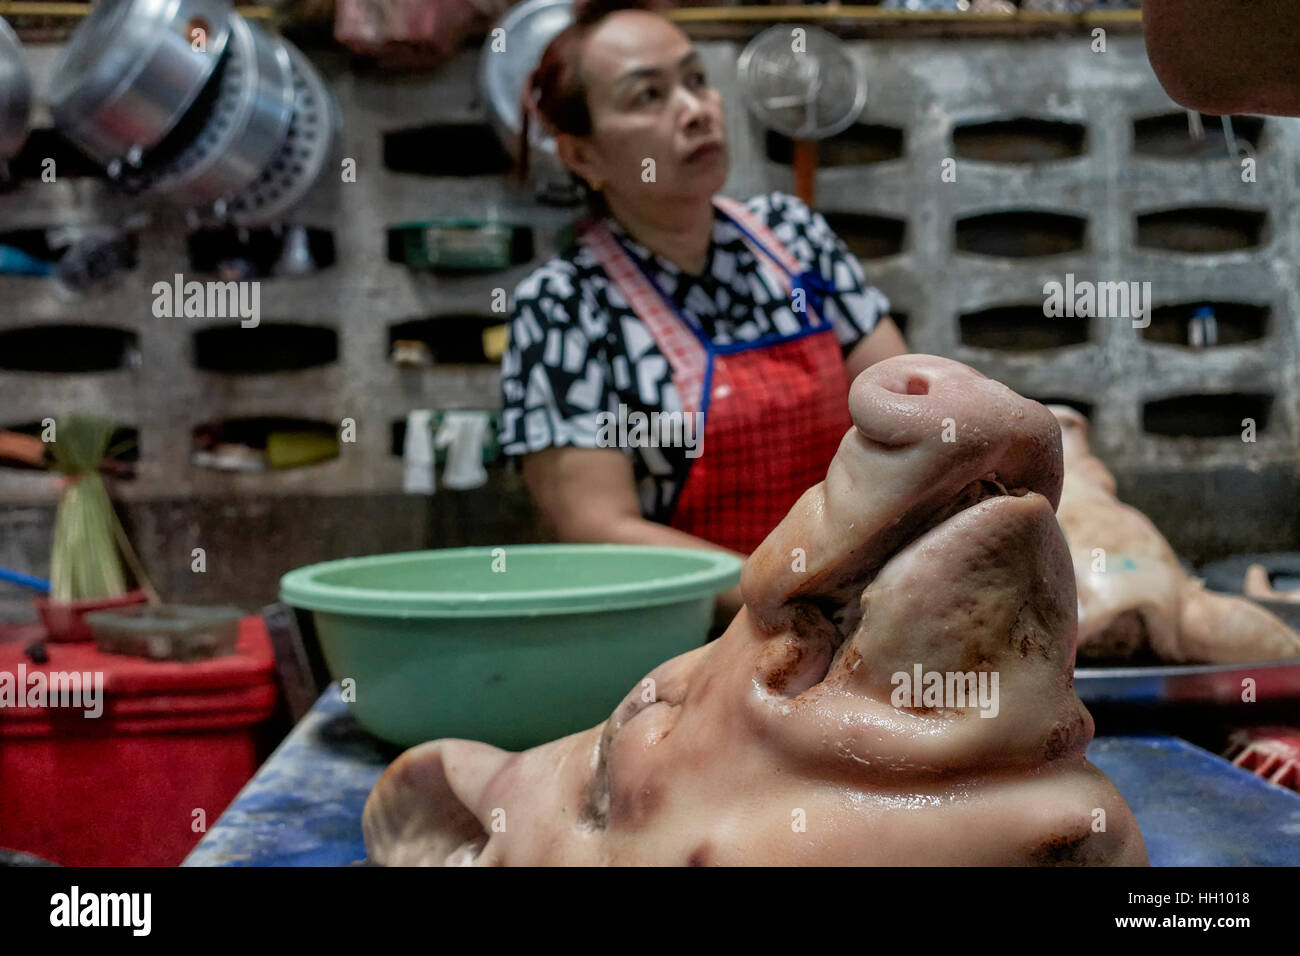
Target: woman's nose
695 108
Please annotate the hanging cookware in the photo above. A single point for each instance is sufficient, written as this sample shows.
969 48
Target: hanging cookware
806 85
240 127
527 30
15 94
302 178
131 70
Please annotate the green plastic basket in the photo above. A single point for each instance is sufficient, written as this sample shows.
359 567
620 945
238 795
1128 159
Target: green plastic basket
446 644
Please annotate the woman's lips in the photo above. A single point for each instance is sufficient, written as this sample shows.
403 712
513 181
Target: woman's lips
707 151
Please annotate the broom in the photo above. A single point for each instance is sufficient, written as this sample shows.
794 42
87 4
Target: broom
89 541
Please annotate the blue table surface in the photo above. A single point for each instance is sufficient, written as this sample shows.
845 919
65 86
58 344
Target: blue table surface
303 807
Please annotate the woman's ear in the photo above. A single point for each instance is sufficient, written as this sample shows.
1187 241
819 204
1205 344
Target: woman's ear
576 156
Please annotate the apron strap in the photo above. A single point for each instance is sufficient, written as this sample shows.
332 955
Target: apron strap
685 348
763 237
686 355
794 276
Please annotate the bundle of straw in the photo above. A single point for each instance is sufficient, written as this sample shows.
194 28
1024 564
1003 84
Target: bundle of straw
89 541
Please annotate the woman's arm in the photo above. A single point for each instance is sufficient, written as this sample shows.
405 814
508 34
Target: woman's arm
589 495
884 341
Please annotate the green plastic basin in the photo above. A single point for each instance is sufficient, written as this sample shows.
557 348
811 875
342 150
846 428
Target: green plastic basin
514 646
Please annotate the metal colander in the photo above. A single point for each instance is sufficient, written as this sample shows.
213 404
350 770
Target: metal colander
300 167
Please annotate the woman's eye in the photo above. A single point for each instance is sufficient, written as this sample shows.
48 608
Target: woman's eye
647 94
698 79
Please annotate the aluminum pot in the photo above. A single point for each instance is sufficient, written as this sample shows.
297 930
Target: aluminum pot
243 128
15 93
130 71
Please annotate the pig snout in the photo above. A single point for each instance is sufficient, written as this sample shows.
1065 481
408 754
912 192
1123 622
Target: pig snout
930 435
951 416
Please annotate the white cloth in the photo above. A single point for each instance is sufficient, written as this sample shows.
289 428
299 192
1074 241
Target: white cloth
418 476
462 435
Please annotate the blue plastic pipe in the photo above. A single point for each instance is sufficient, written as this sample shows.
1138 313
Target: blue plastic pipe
26 580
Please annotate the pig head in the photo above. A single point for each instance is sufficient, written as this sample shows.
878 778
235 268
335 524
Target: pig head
1134 596
803 734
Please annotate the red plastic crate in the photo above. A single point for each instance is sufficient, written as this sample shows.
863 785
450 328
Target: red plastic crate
1269 752
121 789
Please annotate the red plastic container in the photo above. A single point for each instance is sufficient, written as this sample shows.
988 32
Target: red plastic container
66 620
123 788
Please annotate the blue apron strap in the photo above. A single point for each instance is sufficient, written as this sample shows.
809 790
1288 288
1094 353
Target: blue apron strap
814 286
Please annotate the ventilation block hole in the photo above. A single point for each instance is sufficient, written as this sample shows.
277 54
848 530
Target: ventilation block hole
1206 416
1021 140
259 253
1232 323
466 339
867 236
1021 328
67 348
47 144
262 443
1169 136
859 145
269 347
1202 230
1080 406
1021 234
446 149
15 453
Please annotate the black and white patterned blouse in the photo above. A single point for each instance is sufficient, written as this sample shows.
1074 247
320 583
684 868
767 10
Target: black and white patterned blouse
577 348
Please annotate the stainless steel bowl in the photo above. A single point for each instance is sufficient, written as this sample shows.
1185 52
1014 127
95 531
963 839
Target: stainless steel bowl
130 71
529 29
15 93
243 129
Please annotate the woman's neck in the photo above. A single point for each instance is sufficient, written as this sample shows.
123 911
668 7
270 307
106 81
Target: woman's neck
679 232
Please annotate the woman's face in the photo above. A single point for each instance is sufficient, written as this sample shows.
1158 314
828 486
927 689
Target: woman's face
649 99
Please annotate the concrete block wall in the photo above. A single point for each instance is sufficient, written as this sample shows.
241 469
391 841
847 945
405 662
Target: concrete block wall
1210 494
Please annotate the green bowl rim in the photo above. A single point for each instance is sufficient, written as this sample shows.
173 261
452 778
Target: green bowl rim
299 587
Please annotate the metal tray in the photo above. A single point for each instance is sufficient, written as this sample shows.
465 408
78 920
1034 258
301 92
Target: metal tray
1188 683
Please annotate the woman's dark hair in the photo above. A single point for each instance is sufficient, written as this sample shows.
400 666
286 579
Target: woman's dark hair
554 93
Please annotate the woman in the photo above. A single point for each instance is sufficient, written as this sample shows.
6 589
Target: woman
675 300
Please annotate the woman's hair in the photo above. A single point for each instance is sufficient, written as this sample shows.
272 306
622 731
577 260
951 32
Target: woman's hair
554 93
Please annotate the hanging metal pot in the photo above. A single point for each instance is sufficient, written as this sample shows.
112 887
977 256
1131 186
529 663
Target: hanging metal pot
15 94
131 70
300 182
241 126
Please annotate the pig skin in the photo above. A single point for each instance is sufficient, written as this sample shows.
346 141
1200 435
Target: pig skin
778 744
1143 599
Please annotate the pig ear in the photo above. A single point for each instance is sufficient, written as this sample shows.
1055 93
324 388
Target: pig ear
424 809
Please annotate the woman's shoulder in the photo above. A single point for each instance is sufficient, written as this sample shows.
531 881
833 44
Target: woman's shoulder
777 207
558 280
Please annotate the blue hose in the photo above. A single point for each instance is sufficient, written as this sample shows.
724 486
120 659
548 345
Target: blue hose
26 580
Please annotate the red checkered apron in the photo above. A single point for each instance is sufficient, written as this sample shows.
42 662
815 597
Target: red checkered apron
775 409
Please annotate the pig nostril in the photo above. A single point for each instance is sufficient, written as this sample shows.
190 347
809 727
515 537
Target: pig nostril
916 385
